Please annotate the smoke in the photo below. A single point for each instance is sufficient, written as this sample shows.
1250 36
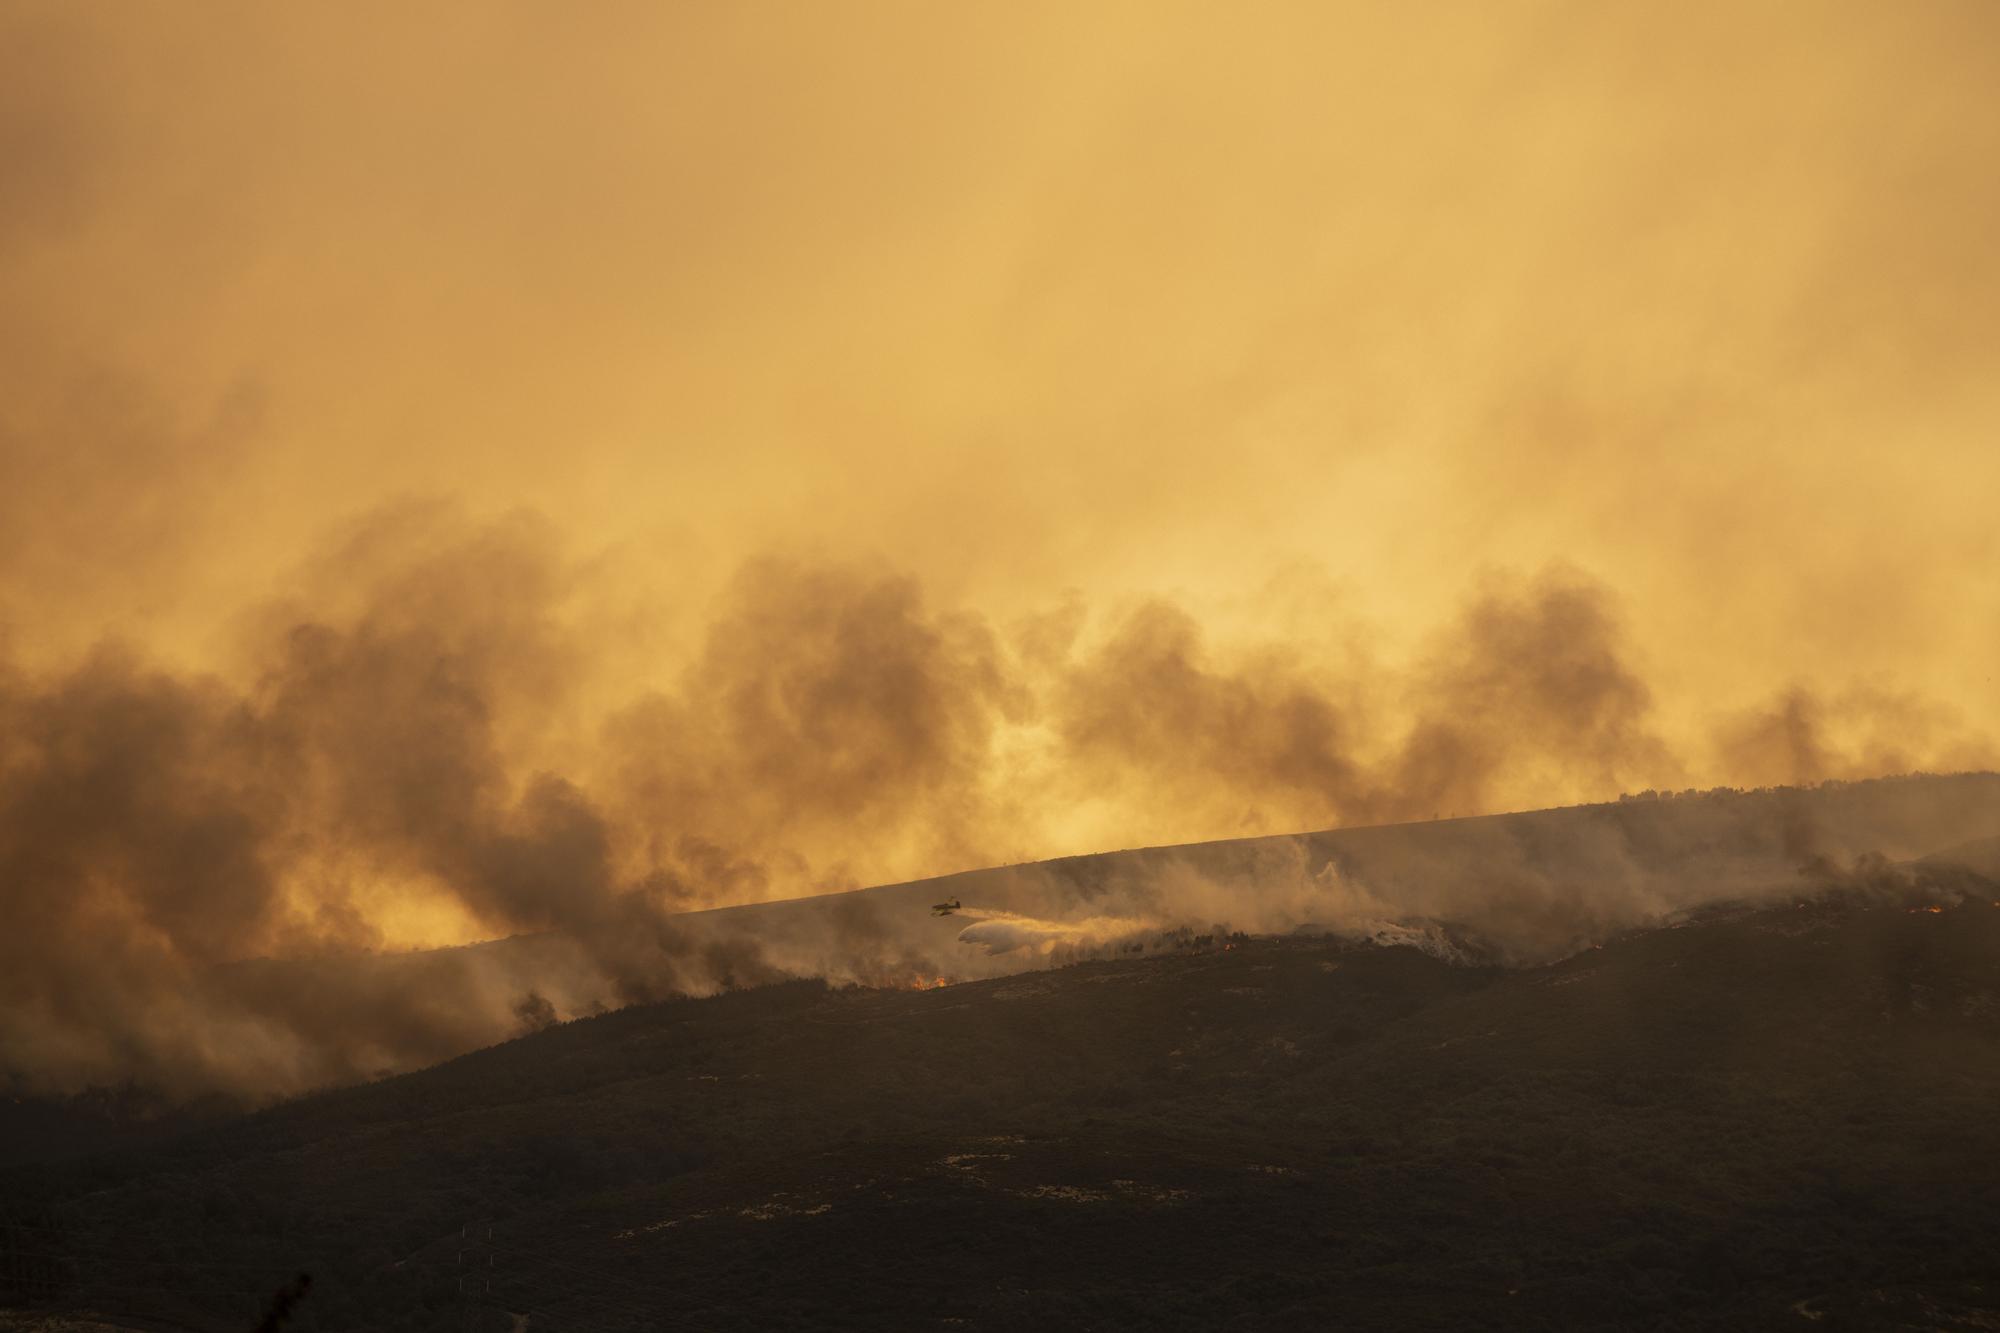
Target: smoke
826 707
1515 889
413 750
1148 902
1145 306
997 933
862 445
1806 736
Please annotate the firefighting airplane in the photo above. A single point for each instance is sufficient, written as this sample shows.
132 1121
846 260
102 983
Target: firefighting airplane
945 908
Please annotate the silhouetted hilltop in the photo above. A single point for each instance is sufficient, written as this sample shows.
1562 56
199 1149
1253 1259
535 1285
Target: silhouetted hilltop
1765 1114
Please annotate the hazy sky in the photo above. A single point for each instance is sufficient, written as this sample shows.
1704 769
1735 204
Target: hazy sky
868 439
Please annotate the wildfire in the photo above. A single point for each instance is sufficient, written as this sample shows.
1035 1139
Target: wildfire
1915 910
929 983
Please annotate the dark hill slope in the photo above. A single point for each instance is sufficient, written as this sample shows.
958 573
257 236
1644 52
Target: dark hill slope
1774 1118
1527 888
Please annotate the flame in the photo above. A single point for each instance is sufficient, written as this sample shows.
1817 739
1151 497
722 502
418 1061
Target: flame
1915 910
905 981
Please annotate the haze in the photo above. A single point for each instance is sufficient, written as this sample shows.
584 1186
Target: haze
749 450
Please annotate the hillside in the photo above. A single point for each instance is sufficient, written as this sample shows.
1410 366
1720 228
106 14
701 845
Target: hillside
1523 888
1526 888
1764 1118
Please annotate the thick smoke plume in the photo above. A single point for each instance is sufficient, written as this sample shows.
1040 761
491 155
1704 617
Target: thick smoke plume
414 748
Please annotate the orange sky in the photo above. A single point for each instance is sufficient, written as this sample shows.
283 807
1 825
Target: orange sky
1149 385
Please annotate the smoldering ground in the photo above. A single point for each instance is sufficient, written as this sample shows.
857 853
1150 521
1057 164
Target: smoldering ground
414 748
